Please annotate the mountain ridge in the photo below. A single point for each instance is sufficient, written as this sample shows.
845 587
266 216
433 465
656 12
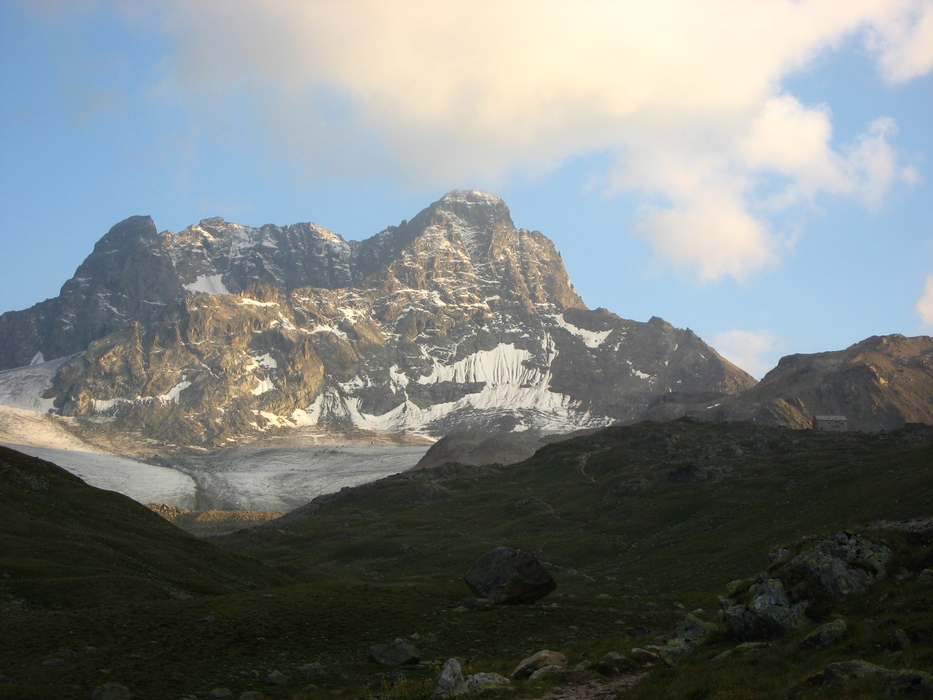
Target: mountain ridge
453 320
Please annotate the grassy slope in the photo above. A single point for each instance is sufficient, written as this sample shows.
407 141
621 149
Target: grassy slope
64 544
656 508
626 512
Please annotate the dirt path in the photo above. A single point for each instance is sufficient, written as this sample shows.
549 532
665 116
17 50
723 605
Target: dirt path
594 688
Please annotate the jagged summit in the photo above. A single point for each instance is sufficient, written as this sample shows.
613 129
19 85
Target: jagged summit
456 319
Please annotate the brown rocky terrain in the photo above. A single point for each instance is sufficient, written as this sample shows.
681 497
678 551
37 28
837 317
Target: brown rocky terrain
881 383
205 523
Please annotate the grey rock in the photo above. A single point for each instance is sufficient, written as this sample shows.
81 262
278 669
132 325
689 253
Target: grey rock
675 651
396 653
543 658
477 603
509 576
617 662
545 671
220 693
276 678
251 695
450 680
769 614
479 682
845 563
843 672
694 629
111 691
643 656
825 635
908 683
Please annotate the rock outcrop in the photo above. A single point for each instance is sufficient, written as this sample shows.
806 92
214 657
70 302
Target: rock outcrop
789 596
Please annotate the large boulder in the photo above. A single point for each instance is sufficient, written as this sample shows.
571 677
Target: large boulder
509 576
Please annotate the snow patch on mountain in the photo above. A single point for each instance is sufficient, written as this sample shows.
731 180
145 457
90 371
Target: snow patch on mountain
504 364
208 284
24 387
592 339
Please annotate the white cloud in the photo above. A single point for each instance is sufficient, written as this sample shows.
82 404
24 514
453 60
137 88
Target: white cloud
904 41
753 351
687 96
924 305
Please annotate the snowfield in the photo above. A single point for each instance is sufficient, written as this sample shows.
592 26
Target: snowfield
284 478
142 482
242 478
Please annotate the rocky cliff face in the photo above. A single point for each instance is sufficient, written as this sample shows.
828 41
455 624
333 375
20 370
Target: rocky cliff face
879 384
455 320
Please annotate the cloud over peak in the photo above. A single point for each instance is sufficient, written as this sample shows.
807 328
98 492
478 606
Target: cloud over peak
687 97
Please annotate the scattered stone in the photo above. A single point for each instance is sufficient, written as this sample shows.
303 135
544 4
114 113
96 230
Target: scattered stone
543 658
825 635
769 614
312 669
53 661
613 663
483 681
643 656
777 554
276 678
220 693
397 653
675 651
251 695
845 563
546 671
450 681
926 576
912 684
509 576
471 603
693 629
843 672
111 691
903 640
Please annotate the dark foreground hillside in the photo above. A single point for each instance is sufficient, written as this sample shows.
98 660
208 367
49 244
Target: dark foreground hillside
653 508
638 525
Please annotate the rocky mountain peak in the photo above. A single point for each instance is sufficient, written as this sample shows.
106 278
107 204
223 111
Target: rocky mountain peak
454 320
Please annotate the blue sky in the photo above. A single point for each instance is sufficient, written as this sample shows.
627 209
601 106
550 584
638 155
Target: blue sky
760 172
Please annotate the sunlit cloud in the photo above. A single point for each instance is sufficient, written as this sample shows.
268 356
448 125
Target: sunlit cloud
687 97
924 305
903 39
753 351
